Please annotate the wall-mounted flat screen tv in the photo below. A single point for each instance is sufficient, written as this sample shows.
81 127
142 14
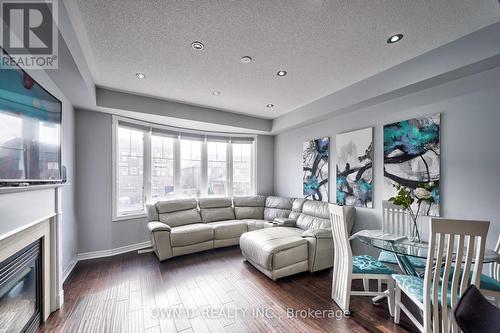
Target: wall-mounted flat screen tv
30 128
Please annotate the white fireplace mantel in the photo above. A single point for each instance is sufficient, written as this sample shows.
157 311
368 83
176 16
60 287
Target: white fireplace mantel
35 210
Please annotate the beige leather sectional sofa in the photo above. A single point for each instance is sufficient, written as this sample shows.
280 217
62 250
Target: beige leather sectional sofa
279 236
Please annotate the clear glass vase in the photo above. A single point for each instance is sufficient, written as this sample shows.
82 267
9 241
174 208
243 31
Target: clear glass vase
414 229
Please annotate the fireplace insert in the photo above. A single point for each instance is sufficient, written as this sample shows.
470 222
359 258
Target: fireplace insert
21 290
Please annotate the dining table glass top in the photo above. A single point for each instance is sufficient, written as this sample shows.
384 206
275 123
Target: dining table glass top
406 247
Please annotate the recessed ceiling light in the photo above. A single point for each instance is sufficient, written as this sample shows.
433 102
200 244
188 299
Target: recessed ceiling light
246 59
395 38
140 75
197 45
216 92
269 106
281 73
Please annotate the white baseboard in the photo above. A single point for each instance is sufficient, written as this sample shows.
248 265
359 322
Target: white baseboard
113 252
70 268
105 253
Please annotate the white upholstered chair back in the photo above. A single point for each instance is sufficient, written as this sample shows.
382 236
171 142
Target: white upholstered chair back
394 219
450 241
342 258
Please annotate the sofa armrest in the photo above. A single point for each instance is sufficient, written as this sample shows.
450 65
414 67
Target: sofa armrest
160 239
284 221
158 226
318 233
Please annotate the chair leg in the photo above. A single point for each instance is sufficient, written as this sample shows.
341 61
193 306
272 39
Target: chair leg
390 298
366 284
379 285
397 301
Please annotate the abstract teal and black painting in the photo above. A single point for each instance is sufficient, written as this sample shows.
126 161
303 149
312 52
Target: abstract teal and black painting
412 158
354 151
315 158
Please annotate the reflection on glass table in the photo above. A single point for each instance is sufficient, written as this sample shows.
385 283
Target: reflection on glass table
403 248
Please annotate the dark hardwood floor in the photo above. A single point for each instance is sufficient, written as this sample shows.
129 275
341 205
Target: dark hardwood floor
133 292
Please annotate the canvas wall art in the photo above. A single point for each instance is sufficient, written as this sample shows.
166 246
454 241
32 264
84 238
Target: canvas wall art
315 159
354 151
412 159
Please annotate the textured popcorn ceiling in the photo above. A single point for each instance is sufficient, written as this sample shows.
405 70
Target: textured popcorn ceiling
323 45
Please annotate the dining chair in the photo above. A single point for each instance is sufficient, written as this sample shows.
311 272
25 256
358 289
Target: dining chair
490 285
454 261
347 267
395 221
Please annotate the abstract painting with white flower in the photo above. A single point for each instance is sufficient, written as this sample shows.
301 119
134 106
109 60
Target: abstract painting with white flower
354 151
412 159
315 164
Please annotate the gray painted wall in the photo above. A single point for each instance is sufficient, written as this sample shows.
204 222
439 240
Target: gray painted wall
265 164
470 149
94 184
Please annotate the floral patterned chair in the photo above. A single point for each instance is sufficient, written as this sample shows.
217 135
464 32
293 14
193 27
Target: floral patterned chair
347 267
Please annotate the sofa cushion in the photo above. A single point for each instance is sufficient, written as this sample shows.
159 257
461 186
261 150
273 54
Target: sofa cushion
296 208
181 217
315 215
261 246
249 213
191 234
216 209
251 207
217 214
250 201
228 229
254 224
169 206
279 202
277 207
219 202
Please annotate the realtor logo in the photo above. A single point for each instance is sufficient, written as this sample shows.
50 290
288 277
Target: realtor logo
29 33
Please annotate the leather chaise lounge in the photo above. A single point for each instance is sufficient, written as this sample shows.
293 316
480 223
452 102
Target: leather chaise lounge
302 242
279 236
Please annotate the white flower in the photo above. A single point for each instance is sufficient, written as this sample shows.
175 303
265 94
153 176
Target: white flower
422 194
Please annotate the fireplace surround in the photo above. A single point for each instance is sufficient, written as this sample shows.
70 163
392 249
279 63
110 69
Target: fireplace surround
21 290
30 216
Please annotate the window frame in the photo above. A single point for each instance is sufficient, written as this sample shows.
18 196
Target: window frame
148 129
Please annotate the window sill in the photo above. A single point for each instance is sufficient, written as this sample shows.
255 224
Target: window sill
129 217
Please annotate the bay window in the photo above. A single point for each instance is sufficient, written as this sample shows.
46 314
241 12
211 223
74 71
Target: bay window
154 162
217 168
190 168
162 167
242 168
130 196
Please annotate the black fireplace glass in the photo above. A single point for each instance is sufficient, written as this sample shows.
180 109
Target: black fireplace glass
20 291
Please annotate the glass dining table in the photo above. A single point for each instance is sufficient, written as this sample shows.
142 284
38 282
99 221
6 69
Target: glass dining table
403 249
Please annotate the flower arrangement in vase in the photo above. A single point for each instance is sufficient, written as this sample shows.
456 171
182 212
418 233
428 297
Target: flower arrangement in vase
405 197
